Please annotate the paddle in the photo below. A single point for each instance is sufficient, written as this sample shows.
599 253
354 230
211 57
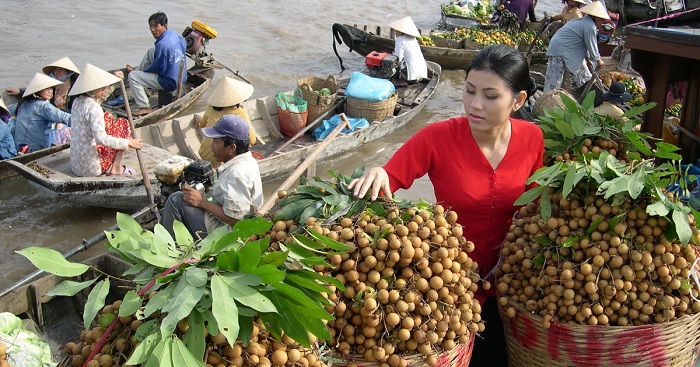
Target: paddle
304 165
309 126
545 22
218 63
82 247
142 166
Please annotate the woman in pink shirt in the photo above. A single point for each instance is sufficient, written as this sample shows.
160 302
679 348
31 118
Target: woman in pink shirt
478 165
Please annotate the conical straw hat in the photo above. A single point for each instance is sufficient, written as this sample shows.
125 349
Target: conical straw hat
230 92
92 78
2 105
595 9
581 2
61 63
40 82
405 25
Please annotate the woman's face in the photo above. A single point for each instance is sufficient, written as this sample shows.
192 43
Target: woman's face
572 3
100 93
488 100
45 94
60 73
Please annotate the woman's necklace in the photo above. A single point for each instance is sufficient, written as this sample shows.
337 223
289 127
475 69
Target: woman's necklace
500 145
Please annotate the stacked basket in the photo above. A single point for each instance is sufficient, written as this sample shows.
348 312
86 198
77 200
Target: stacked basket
371 110
549 100
317 102
460 356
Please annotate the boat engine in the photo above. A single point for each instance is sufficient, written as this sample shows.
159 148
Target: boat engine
178 171
382 64
197 36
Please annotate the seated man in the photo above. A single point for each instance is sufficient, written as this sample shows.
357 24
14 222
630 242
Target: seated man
407 49
237 192
159 67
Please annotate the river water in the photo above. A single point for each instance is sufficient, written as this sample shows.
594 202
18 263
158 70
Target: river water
271 43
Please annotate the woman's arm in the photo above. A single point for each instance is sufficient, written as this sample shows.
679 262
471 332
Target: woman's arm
52 114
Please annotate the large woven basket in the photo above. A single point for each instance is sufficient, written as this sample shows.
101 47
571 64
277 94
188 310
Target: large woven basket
460 356
372 111
318 103
671 344
549 100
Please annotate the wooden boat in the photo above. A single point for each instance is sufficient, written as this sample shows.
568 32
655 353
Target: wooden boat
670 12
198 80
60 318
364 39
181 137
53 173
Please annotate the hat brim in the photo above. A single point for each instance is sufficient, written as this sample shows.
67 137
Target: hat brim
595 9
230 92
64 63
40 82
405 25
91 79
617 98
210 132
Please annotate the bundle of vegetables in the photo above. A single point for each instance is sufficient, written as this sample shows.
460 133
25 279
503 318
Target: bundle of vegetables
606 245
227 299
20 347
409 282
481 10
674 111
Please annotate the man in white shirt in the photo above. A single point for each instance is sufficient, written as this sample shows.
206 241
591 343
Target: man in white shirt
407 49
237 192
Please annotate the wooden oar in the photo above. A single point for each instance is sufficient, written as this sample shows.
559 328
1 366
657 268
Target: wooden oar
236 73
309 126
545 22
142 166
304 165
82 247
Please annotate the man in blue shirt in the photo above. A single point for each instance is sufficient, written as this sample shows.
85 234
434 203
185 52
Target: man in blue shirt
159 67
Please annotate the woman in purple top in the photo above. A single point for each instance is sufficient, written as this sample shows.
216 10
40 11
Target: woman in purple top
521 8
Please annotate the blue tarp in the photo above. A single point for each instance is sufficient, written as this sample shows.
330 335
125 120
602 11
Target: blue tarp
327 126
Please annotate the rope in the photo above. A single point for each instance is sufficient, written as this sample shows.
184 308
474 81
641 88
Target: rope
668 16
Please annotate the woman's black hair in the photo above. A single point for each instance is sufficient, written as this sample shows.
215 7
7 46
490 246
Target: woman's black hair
31 97
506 62
241 145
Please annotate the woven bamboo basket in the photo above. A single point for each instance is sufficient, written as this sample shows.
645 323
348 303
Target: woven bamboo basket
318 103
671 344
549 100
372 111
457 357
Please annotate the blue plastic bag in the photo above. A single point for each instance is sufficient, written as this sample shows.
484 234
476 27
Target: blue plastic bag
327 126
692 180
365 87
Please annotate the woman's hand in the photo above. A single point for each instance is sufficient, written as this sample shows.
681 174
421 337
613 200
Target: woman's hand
198 120
119 74
135 143
192 196
375 178
600 63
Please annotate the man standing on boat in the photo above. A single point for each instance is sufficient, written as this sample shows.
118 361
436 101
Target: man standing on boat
237 192
159 67
570 47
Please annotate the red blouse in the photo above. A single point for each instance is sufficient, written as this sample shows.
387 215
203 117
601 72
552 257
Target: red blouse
464 180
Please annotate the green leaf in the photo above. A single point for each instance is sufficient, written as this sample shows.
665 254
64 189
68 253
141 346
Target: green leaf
312 191
543 240
296 294
275 258
538 260
95 302
206 246
377 209
134 269
253 226
181 306
545 206
162 354
293 210
163 242
249 256
145 349
183 238
181 355
635 186
130 304
52 261
577 125
160 300
194 338
196 277
529 195
639 142
289 321
570 241
358 172
569 181
588 102
680 220
302 282
634 111
248 296
225 311
269 274
565 129
594 226
328 242
69 288
246 325
129 225
210 322
228 261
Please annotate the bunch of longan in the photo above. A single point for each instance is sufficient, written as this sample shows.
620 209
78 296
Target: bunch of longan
409 285
262 351
598 264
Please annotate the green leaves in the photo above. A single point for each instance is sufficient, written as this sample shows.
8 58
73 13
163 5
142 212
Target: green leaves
95 302
52 261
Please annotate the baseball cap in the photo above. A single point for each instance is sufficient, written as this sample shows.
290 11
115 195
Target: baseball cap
230 126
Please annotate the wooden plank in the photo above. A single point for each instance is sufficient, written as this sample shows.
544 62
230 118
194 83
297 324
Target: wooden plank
265 115
181 142
157 137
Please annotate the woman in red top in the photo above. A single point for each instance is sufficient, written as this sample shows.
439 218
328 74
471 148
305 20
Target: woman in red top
478 165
